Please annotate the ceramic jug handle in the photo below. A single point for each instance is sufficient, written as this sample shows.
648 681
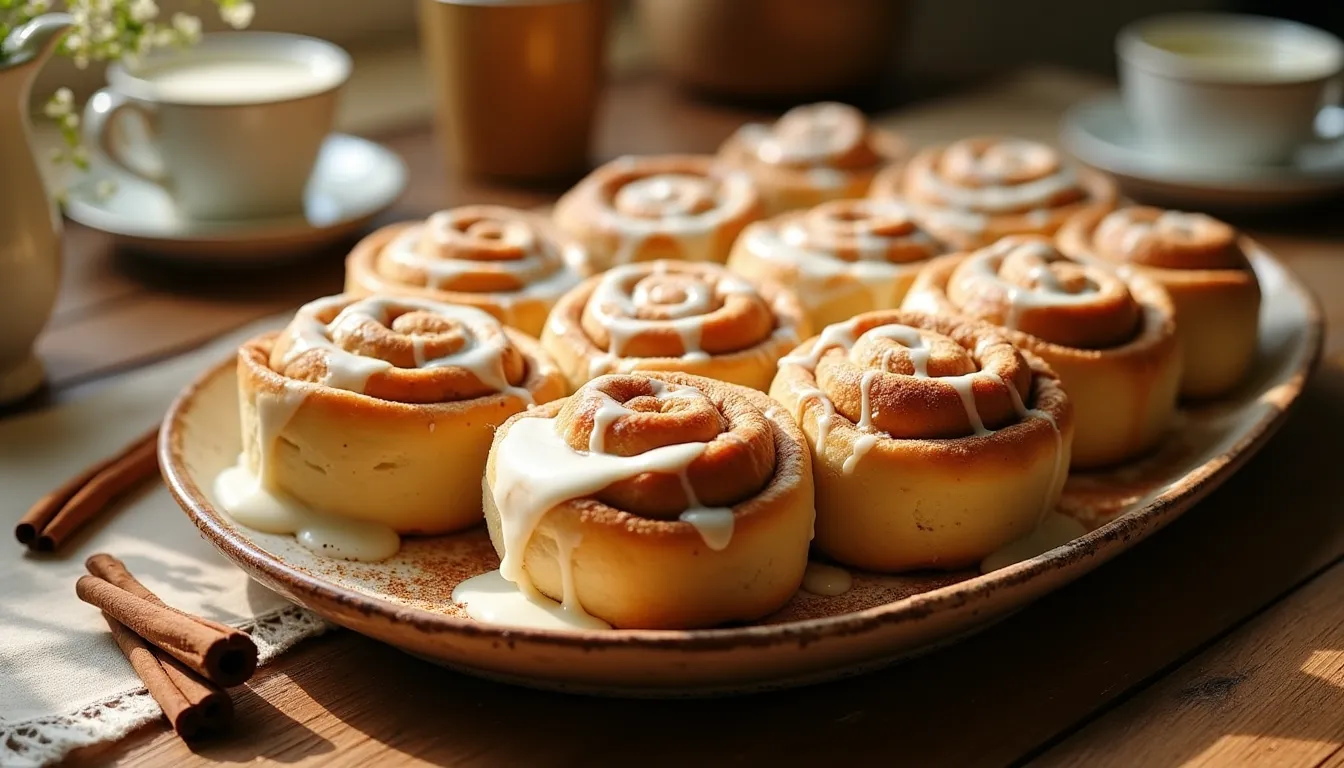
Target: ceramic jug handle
103 129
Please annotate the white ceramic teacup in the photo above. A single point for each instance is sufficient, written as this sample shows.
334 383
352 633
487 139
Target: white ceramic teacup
231 127
1219 88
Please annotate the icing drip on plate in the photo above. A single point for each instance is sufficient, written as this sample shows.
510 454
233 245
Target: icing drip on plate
826 580
253 499
1055 530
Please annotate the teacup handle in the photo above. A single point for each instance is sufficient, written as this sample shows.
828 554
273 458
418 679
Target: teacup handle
100 122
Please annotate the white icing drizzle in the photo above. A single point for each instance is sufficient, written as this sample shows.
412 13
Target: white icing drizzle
807 135
351 372
826 580
616 300
536 470
1022 413
1136 232
996 197
715 524
249 502
670 194
841 335
544 270
965 388
491 599
862 445
819 275
252 498
827 178
983 266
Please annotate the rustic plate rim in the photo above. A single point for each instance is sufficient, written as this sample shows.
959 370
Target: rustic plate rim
1161 510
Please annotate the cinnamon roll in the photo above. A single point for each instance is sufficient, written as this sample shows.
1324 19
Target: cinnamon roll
813 153
652 500
674 316
659 207
1110 337
842 258
378 410
1203 265
510 263
935 440
974 191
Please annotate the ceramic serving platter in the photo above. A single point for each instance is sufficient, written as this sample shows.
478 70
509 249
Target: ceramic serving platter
407 601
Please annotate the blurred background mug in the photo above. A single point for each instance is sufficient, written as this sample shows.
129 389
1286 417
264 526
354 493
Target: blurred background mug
1226 89
230 128
516 83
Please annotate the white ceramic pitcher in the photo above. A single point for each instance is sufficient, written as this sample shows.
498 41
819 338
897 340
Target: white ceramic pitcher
30 223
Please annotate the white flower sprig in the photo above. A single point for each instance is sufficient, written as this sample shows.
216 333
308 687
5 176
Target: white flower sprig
106 30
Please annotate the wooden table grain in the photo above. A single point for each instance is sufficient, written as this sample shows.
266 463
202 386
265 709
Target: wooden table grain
1219 641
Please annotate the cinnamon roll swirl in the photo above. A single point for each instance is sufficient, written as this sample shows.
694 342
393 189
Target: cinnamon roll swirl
1110 337
510 263
674 316
1202 263
813 153
659 207
974 191
935 440
382 409
653 500
842 258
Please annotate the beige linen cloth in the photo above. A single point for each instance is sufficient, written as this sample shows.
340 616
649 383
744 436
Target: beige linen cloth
63 683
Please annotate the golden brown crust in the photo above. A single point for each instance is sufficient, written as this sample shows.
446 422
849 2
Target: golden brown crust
736 463
638 570
652 207
1122 384
513 264
974 191
1202 263
813 153
980 448
367 437
842 257
670 315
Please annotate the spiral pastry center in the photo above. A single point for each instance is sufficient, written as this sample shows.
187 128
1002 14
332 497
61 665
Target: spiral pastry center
915 383
627 416
669 310
862 230
401 350
631 416
1169 239
1004 162
666 296
1024 283
994 176
665 195
476 249
812 135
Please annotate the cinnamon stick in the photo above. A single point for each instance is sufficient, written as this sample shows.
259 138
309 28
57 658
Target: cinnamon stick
226 656
114 571
207 706
59 514
190 704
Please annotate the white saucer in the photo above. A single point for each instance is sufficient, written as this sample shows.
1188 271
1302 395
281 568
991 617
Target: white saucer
1099 132
354 180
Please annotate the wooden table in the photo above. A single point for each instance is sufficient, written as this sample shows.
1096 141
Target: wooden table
1219 641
